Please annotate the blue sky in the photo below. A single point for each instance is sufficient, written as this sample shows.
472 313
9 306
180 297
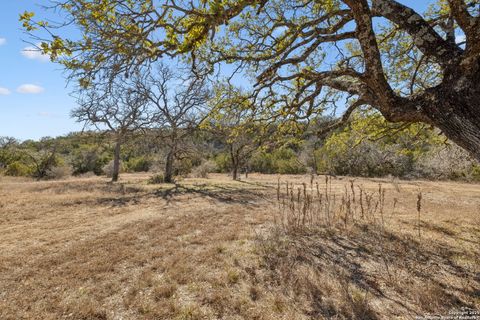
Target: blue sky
34 98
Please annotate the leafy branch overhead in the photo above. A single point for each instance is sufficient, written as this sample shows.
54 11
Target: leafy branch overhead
305 56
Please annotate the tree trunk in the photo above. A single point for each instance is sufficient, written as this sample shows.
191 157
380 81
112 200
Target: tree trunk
116 161
235 171
461 126
314 164
455 109
168 175
235 163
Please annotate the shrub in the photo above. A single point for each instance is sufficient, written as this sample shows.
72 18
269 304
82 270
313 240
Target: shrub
262 162
450 162
282 160
89 159
18 169
223 162
346 155
183 166
289 166
138 164
204 169
156 179
476 172
58 172
285 161
108 169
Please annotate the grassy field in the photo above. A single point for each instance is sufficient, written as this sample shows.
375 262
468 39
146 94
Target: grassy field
213 248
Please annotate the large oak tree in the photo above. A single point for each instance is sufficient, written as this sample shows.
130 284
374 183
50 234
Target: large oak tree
306 55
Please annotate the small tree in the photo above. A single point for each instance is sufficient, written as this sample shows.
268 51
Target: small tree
178 107
231 121
119 108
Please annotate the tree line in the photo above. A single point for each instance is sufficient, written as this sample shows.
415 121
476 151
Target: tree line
356 149
300 61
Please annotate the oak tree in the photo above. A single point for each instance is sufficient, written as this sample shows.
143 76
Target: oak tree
177 103
119 108
231 120
306 55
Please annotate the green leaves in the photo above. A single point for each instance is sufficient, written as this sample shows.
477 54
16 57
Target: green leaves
26 19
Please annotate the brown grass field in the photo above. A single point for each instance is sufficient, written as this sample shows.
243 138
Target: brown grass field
213 248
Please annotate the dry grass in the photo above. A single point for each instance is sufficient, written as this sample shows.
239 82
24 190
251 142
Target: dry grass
208 249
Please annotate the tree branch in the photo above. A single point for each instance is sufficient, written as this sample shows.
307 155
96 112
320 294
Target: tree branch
424 36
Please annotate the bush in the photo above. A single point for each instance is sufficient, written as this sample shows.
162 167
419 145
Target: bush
59 172
108 169
366 159
476 172
89 159
283 160
451 162
204 169
262 162
183 167
223 162
18 169
138 164
289 166
156 179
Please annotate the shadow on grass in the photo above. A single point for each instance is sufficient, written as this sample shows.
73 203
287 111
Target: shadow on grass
230 195
127 195
337 270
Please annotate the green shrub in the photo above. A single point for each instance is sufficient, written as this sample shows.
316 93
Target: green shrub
89 159
223 162
282 160
285 161
262 162
289 166
476 172
138 164
18 169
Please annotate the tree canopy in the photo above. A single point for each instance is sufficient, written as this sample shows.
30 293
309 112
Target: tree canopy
305 56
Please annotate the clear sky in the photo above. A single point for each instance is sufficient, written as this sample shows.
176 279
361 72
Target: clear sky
34 98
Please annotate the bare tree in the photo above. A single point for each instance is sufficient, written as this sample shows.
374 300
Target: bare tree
178 105
119 108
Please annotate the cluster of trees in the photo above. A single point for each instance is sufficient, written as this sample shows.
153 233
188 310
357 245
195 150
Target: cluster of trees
164 102
302 57
370 146
366 146
298 58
